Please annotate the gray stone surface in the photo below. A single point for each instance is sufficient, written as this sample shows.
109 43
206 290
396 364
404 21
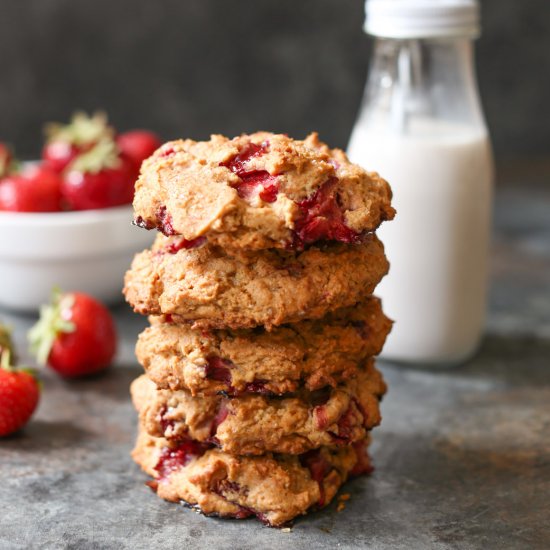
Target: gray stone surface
462 456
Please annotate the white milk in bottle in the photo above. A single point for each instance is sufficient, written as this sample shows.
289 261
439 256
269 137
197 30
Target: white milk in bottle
421 127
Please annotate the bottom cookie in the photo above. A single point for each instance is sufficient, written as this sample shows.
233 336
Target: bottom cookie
274 488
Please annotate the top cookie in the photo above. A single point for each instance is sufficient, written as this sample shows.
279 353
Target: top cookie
259 191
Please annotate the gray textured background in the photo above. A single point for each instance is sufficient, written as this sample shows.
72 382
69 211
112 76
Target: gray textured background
193 67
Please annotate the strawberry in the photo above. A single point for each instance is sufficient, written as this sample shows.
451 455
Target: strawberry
36 188
66 141
75 335
100 178
138 145
19 395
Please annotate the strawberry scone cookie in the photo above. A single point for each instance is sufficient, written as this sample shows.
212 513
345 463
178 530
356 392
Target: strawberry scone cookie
254 424
273 488
259 191
308 354
216 288
260 390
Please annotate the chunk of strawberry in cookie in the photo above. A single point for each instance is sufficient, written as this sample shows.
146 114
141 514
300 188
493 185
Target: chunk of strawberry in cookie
219 369
253 182
322 218
172 459
319 468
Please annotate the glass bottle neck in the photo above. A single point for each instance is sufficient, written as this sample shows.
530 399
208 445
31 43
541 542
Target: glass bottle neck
428 79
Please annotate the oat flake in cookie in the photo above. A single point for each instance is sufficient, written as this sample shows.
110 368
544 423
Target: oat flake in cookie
259 191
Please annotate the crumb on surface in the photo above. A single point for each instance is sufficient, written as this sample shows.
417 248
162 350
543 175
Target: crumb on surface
342 499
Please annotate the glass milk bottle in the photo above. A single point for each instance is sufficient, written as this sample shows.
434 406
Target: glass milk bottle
421 127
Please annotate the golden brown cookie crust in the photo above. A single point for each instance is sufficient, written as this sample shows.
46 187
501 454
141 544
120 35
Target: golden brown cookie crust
312 354
218 289
254 424
274 488
203 189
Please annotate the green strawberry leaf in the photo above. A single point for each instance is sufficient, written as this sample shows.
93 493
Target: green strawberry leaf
52 322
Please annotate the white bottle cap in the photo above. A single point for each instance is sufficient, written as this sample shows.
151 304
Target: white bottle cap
408 19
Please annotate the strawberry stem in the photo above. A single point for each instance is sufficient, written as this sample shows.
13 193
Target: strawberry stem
54 320
104 154
82 130
6 342
5 360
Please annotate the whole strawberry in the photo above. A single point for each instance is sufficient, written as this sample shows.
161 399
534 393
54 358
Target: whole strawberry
75 335
19 396
66 141
34 188
138 145
99 178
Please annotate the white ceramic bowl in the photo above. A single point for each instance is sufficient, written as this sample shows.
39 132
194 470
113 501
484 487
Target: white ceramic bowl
87 251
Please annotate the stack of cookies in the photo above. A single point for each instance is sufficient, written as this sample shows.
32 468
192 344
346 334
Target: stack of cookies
260 389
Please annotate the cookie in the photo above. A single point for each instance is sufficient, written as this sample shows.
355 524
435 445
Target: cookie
254 424
259 191
274 488
219 289
310 354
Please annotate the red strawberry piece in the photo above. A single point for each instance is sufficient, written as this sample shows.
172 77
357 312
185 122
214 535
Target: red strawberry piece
238 163
242 513
167 151
162 223
66 141
166 424
321 418
184 244
345 426
253 182
138 145
172 459
322 218
34 189
219 369
221 415
99 178
319 468
19 395
75 335
260 182
257 386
